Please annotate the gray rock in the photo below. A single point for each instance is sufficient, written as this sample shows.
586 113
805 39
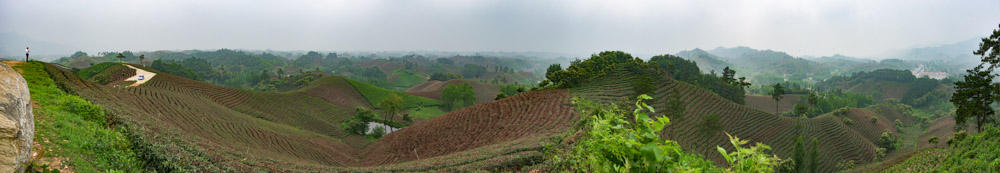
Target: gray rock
17 123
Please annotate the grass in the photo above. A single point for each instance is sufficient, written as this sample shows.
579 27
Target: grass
74 129
375 94
407 78
426 112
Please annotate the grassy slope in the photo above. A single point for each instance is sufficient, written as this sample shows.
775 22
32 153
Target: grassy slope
837 141
63 131
406 78
375 94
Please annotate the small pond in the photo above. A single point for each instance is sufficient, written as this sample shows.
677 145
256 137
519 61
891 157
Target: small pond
388 129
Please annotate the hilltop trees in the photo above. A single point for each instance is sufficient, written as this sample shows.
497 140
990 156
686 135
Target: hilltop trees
685 70
120 57
458 96
598 65
776 94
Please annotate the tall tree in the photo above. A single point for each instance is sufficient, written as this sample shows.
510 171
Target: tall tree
974 95
799 155
777 95
120 57
814 156
141 58
989 49
813 99
392 104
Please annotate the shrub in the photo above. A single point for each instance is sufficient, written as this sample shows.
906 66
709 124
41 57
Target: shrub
933 140
845 165
874 120
898 124
848 121
842 111
458 96
751 159
378 132
614 144
879 154
886 140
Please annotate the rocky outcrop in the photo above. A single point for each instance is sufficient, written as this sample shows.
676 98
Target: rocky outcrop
17 124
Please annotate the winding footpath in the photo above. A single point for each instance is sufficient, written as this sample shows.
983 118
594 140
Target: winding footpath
139 72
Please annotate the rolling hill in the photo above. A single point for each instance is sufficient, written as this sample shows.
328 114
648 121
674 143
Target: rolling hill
838 141
432 89
184 125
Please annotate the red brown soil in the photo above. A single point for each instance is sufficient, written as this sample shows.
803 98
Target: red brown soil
432 89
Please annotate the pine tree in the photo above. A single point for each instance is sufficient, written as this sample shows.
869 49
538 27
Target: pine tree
798 155
814 156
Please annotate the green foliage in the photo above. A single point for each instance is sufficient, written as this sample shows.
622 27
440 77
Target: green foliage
898 124
879 154
458 96
776 94
377 132
643 85
848 121
918 88
977 152
614 144
933 140
800 110
473 71
446 61
174 68
974 96
393 104
438 76
799 155
874 120
845 165
753 159
685 70
597 66
710 123
887 140
814 156
93 70
500 95
375 94
358 124
75 129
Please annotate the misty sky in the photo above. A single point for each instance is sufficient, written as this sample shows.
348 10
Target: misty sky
818 28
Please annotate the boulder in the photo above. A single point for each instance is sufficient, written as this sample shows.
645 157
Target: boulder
17 124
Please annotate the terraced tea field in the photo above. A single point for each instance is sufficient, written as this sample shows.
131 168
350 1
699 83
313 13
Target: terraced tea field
837 140
183 124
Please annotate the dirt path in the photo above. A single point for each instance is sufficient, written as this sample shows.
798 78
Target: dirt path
139 72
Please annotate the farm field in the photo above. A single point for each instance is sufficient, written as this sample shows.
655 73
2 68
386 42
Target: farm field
193 126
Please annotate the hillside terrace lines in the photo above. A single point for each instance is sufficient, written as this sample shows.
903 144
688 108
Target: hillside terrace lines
180 113
838 141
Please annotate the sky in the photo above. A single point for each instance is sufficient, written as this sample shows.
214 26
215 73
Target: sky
578 27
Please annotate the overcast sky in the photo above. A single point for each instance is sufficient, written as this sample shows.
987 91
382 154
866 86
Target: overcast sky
818 28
